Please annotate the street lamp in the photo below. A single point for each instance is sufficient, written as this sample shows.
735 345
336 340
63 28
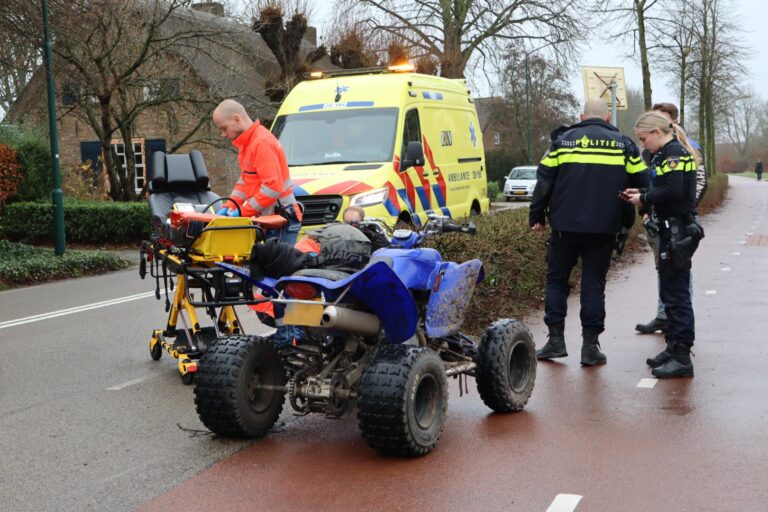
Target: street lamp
58 195
528 97
528 106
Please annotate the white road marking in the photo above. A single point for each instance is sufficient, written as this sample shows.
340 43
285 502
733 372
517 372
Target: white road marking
565 503
78 309
647 383
743 242
736 253
710 292
129 383
726 269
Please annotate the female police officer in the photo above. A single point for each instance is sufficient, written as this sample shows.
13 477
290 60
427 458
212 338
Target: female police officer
670 205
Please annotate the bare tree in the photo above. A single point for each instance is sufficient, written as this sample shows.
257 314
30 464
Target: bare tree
634 20
718 57
742 120
675 38
18 61
547 94
453 32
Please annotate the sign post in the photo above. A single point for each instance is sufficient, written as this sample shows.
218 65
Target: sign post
607 84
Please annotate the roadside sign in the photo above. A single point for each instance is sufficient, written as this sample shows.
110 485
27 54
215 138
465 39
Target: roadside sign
597 85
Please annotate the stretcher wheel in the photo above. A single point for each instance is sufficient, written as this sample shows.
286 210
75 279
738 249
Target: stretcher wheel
187 378
155 349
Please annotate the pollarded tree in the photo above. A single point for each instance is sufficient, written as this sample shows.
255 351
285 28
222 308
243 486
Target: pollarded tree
282 24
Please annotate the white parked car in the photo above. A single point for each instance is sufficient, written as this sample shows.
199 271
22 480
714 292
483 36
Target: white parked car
520 183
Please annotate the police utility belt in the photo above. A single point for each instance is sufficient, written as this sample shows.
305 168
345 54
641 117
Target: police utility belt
679 237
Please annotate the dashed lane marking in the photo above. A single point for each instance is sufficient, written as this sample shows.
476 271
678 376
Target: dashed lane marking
128 383
710 292
726 269
647 383
71 311
565 503
736 253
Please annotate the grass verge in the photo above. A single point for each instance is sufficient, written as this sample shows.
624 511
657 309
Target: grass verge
22 264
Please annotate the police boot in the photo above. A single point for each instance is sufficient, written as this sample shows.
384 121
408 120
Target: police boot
555 347
590 351
679 366
657 324
660 358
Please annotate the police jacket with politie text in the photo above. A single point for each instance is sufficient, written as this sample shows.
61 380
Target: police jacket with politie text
580 177
672 190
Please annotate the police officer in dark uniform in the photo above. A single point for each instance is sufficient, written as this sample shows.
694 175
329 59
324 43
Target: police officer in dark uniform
672 203
577 190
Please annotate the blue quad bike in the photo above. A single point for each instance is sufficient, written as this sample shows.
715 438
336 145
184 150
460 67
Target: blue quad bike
385 338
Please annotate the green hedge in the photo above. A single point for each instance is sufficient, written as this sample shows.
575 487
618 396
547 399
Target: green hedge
22 264
96 222
35 156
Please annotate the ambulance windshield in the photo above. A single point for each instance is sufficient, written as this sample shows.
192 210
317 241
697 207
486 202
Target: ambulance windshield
338 136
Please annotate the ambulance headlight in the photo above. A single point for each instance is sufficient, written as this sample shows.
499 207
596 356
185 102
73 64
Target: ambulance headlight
369 198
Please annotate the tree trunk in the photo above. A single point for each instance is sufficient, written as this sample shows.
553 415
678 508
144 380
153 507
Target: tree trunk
682 91
644 66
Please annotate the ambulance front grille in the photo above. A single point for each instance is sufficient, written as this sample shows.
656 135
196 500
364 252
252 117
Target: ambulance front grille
319 210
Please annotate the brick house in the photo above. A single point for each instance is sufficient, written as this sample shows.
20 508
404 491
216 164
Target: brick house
211 75
496 133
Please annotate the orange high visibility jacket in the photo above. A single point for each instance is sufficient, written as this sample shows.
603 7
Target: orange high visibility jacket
264 178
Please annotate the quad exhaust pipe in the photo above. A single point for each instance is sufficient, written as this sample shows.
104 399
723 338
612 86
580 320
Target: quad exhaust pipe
345 319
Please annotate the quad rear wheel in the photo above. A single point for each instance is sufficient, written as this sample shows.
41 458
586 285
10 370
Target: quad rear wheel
239 386
506 366
402 400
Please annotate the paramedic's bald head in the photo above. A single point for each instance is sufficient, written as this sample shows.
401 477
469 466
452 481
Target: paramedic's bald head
231 119
596 109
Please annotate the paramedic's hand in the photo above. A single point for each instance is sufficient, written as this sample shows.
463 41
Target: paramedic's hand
222 211
538 228
232 212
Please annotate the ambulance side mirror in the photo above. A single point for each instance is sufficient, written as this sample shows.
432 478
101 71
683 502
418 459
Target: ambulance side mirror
414 156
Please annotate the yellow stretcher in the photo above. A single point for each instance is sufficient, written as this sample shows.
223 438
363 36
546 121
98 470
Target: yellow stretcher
197 283
182 253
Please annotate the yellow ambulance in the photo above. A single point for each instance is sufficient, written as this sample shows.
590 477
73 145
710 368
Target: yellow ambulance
401 145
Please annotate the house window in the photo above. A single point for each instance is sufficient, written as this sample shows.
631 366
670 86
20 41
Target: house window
497 138
69 95
139 156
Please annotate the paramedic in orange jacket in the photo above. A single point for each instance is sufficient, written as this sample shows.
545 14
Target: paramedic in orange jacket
265 186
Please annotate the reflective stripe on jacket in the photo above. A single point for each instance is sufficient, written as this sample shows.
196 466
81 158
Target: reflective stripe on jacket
579 179
264 177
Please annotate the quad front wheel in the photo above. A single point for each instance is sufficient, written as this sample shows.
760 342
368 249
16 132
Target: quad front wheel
402 400
240 386
506 366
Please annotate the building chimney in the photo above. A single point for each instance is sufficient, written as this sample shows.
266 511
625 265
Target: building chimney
214 8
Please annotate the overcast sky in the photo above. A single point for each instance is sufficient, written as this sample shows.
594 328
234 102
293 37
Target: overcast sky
751 15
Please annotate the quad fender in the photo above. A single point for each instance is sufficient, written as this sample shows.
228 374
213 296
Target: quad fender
451 294
380 290
416 268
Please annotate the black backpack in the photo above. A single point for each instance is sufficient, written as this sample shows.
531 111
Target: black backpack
342 247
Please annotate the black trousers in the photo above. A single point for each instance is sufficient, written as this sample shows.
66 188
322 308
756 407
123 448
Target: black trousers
674 286
562 254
